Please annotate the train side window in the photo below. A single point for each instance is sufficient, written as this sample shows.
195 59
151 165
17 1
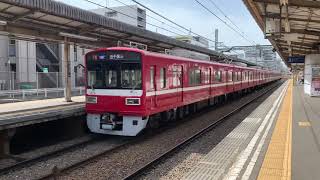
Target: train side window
217 76
177 75
206 75
197 76
239 76
151 77
194 77
229 76
162 77
234 76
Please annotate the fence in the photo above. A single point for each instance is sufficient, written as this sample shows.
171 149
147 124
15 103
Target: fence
25 86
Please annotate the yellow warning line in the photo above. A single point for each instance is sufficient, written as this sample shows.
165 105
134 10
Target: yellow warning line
277 161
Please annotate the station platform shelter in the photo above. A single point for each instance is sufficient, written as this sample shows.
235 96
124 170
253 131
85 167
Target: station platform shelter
278 140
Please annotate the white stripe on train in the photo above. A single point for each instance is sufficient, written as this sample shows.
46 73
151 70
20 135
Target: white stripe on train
138 93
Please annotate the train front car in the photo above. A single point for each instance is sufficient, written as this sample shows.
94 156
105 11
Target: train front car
114 93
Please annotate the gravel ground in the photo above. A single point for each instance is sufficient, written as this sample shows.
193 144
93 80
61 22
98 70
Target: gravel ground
42 168
118 165
181 162
55 147
44 150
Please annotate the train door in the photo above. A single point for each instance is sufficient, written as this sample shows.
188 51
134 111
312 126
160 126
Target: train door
230 79
208 79
178 81
152 89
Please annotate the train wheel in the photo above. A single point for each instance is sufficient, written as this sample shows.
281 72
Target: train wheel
173 114
165 116
179 113
185 111
153 122
192 108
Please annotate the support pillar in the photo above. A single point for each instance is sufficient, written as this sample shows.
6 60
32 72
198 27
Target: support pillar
67 70
5 137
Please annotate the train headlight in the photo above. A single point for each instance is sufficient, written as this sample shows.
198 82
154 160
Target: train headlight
91 99
132 101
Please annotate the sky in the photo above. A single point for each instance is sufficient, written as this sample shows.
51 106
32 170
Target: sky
191 15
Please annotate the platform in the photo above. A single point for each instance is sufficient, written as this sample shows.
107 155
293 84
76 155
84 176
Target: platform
279 140
18 114
305 135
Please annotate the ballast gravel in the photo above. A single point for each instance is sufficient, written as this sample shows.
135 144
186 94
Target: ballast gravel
119 165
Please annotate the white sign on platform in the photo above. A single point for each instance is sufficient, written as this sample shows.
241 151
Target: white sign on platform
315 81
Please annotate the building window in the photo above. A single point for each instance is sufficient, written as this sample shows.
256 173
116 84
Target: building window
140 19
111 14
162 77
140 10
12 48
75 54
152 77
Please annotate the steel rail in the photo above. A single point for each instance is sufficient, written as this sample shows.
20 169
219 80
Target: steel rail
46 156
200 133
56 172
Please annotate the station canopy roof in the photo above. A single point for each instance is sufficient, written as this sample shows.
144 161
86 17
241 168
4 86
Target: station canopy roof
46 20
292 26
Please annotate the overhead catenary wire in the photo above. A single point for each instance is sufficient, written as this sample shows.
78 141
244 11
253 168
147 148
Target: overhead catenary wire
227 17
164 17
89 1
236 31
162 22
171 21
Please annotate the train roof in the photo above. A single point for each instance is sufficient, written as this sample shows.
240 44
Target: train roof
172 57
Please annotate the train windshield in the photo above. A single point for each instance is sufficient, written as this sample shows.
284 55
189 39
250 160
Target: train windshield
114 70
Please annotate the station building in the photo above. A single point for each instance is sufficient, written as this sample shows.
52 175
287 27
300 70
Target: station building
32 65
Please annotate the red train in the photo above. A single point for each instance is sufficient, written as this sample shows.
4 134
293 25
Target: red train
128 89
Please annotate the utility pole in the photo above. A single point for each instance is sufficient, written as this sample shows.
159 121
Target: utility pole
67 71
216 39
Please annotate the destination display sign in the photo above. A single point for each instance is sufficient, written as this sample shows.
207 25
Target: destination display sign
114 55
296 59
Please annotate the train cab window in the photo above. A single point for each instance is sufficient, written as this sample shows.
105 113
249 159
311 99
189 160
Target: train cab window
130 76
114 70
151 78
163 78
111 78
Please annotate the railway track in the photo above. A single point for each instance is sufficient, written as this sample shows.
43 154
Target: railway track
56 172
200 133
48 155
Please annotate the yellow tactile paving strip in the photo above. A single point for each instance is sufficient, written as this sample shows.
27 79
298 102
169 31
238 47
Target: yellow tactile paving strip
277 161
